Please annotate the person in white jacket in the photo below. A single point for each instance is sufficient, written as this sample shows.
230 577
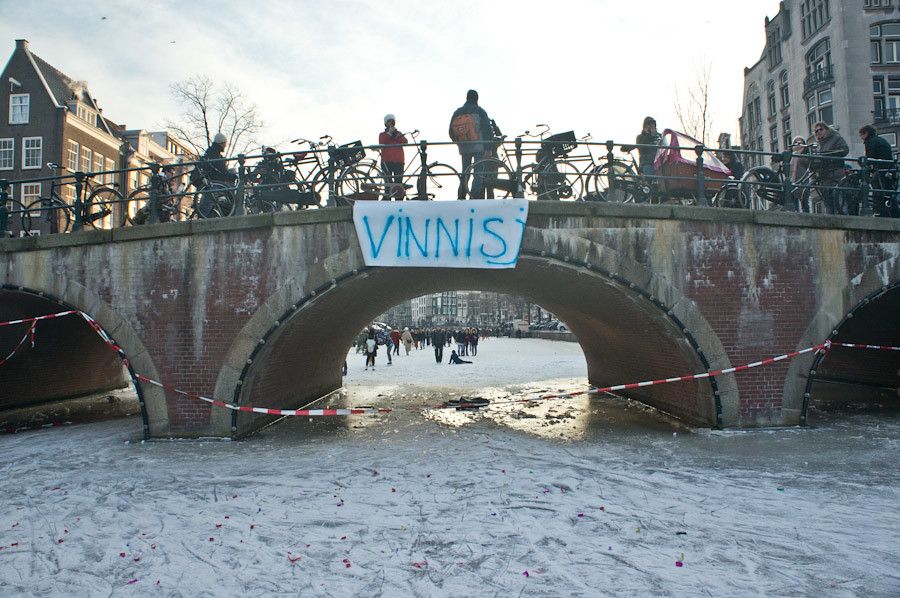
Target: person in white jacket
407 339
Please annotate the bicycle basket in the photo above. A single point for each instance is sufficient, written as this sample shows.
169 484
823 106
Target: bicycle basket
347 154
559 144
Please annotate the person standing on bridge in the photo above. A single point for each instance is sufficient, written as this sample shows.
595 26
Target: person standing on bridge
392 158
884 183
829 170
470 129
371 348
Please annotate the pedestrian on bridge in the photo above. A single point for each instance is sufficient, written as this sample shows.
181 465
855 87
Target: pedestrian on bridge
371 348
407 339
438 339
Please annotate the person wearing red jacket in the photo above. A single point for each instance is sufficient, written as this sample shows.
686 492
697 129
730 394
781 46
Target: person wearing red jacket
395 338
392 158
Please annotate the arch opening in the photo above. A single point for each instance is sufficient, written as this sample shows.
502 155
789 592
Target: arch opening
624 333
69 373
852 380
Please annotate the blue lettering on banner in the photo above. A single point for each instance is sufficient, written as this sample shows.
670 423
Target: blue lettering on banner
471 234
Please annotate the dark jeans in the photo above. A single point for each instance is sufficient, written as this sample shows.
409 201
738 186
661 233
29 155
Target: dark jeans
439 353
393 175
477 178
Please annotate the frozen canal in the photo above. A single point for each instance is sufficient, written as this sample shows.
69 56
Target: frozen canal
584 497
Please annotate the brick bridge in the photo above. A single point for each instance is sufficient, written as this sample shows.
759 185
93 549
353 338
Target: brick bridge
262 309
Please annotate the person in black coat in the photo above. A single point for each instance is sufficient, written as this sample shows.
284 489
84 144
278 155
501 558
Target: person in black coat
438 338
883 180
455 359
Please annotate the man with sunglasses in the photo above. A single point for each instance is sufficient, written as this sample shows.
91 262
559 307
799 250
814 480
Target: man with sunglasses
828 170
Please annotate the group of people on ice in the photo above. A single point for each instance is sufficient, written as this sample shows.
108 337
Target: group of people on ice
466 340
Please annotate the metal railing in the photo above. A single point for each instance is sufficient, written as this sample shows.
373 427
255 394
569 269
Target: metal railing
327 175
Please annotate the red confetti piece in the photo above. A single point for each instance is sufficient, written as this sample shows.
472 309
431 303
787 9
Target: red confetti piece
347 563
292 558
122 555
252 526
157 582
153 546
16 524
218 525
525 573
421 564
602 508
60 541
679 564
65 531
393 489
137 559
503 471
14 544
54 488
212 539
343 537
227 517
131 582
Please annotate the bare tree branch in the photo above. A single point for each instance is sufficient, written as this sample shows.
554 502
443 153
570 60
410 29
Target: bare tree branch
692 106
208 109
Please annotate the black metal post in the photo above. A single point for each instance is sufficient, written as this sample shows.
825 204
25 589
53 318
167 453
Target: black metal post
422 181
520 187
4 211
791 204
240 205
701 177
865 185
153 200
610 167
330 202
78 224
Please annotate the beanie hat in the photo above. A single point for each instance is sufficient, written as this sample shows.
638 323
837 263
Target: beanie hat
220 138
649 120
471 96
388 117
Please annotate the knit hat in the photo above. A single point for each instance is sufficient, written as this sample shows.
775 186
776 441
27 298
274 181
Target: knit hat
388 117
220 138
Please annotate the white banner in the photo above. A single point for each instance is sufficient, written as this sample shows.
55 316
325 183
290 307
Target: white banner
441 234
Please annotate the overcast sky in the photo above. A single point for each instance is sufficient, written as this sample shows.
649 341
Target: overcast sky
338 66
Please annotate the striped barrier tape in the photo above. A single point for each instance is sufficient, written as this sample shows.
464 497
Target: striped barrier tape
373 410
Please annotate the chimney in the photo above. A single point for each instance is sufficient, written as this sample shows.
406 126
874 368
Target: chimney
21 44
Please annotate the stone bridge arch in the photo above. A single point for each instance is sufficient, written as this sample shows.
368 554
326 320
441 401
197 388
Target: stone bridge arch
71 339
615 306
874 294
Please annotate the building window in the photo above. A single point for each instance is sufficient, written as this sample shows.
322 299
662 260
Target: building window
785 95
770 87
72 150
110 166
788 136
773 138
7 153
820 107
86 155
891 102
32 152
86 114
31 192
19 104
876 3
773 47
98 163
814 14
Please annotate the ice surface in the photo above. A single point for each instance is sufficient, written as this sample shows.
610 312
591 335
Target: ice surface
587 497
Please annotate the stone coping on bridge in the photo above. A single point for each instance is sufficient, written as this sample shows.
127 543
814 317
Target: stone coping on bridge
536 209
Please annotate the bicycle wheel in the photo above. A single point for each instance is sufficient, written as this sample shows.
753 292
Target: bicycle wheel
729 196
849 195
442 182
555 180
763 189
358 184
599 178
18 221
50 215
99 207
498 179
214 200
134 211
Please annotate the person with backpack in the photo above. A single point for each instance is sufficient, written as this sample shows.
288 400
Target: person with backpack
470 129
392 158
371 348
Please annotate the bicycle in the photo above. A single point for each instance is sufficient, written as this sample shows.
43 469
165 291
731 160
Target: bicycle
338 174
552 176
15 219
95 208
762 188
170 200
621 181
272 186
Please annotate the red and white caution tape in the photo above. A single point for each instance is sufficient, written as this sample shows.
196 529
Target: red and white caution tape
857 346
263 410
29 334
372 410
46 317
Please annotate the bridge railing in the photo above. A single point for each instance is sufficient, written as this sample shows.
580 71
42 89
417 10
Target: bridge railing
553 169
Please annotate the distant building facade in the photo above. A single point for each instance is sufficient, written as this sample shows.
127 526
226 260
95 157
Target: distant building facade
52 118
824 60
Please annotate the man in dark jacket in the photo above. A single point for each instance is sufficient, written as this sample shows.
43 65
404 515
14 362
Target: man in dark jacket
217 169
829 171
883 181
470 127
438 338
